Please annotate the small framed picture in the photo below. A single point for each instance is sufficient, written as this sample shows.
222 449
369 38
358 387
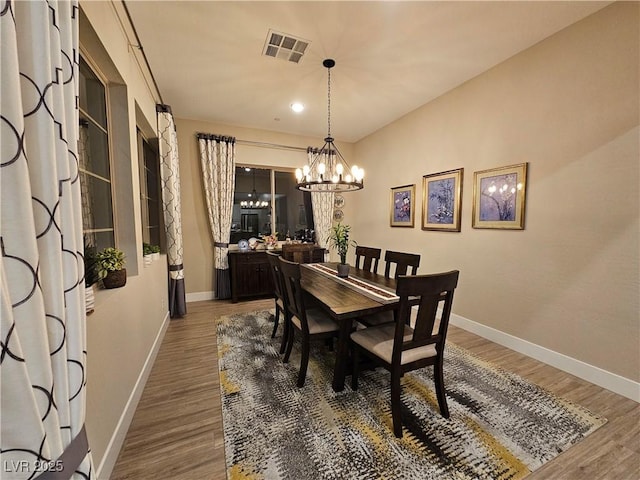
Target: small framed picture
441 200
402 208
499 196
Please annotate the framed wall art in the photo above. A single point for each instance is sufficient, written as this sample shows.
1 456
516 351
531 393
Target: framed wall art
441 201
402 209
499 196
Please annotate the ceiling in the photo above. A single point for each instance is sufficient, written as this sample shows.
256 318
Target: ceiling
391 57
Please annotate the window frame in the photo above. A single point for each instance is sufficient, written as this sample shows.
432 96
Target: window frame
84 56
272 185
141 140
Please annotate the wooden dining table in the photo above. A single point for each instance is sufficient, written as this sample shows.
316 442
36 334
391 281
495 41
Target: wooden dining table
345 303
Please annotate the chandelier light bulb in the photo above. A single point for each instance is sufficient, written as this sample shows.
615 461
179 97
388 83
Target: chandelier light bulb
321 168
339 169
334 179
298 174
348 177
305 170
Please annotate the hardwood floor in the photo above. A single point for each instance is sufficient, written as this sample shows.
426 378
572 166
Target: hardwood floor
177 433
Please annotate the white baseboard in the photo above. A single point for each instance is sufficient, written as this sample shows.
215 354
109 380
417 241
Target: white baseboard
611 381
199 296
103 471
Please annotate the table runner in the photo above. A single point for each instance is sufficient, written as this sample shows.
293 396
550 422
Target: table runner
375 292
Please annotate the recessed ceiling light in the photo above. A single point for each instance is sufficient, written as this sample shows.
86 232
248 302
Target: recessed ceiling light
247 169
297 107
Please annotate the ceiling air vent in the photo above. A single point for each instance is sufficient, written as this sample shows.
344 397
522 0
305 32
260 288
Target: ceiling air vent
285 46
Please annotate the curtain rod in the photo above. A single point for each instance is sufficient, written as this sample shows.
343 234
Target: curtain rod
270 145
144 55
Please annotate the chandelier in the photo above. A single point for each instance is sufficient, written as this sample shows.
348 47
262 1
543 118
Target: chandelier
327 170
254 194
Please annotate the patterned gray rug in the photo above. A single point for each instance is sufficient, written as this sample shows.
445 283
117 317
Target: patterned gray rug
501 426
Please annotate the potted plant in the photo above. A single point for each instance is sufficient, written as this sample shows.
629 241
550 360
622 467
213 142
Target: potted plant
150 253
155 252
110 267
147 253
339 239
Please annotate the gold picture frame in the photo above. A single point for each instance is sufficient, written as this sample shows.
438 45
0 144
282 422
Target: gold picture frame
402 208
499 196
442 200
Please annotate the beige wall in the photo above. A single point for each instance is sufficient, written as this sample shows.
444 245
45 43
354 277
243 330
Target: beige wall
127 321
198 245
569 107
120 335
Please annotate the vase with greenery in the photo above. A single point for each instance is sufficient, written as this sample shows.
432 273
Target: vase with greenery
110 267
339 239
152 252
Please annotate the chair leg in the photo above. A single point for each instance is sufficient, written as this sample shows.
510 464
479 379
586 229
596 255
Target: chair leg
276 321
355 359
395 404
438 378
304 362
289 344
285 333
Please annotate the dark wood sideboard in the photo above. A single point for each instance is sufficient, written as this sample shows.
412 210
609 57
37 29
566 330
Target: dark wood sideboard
250 274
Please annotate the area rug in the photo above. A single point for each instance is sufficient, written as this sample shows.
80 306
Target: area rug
501 426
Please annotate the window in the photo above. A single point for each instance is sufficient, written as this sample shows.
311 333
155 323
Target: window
94 163
254 213
149 190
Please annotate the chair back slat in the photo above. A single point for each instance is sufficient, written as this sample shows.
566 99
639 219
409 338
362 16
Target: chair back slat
431 290
369 256
274 266
302 253
402 261
292 289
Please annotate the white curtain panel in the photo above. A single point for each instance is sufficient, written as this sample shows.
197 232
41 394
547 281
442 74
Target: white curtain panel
42 368
322 204
171 206
217 157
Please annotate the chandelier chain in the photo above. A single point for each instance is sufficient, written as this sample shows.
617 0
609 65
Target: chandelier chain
327 170
329 103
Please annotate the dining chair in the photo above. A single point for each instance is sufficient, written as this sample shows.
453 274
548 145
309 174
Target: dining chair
402 261
302 252
369 256
400 348
313 324
274 267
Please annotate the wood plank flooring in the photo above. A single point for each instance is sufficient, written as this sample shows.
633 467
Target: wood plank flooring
177 434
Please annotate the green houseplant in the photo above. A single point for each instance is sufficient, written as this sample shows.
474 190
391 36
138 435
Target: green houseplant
147 249
150 253
339 239
110 267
